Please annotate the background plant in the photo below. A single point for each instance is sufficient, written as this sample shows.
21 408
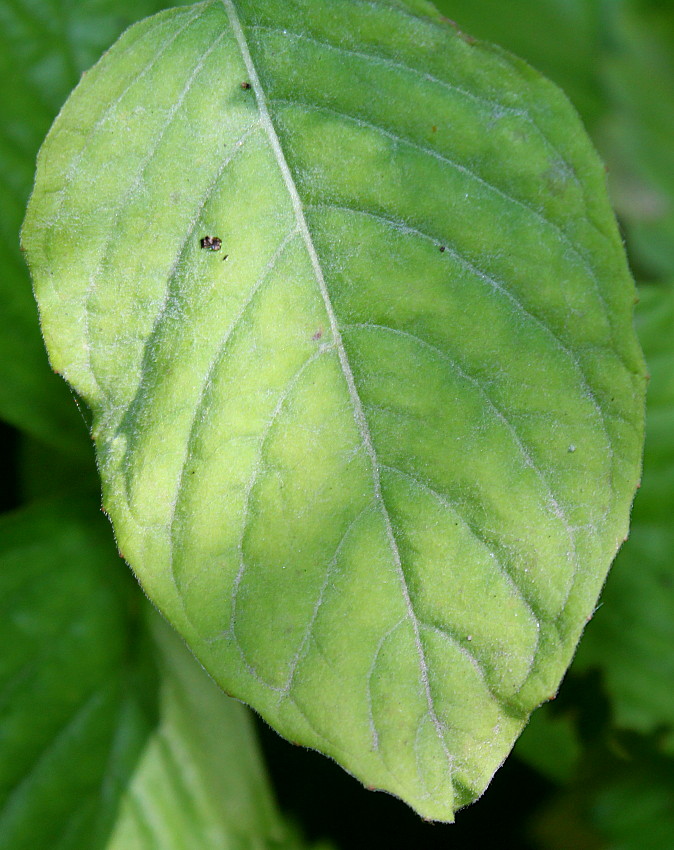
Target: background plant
606 744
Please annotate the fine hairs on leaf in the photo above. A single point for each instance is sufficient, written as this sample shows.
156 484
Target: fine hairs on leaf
375 466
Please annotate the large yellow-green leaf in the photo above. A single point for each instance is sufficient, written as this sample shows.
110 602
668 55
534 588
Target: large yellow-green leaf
374 456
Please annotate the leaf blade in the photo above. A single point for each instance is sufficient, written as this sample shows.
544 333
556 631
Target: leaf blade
357 421
70 722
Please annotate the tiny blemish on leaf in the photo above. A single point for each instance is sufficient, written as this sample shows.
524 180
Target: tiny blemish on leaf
571 449
442 249
211 243
245 85
318 334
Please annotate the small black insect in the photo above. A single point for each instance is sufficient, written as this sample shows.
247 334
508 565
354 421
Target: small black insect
245 85
442 249
211 243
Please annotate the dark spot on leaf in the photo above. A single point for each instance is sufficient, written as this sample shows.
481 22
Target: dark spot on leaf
225 257
442 249
318 334
211 243
434 129
245 85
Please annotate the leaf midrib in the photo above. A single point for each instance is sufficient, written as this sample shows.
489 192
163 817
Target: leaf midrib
359 414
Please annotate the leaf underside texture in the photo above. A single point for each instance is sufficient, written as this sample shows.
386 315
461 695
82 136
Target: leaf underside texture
374 456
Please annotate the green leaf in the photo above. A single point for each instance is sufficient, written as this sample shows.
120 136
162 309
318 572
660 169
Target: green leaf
562 38
374 456
632 635
200 781
71 723
87 760
44 46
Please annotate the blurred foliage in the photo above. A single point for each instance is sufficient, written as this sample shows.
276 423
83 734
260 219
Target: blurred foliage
608 746
637 135
632 635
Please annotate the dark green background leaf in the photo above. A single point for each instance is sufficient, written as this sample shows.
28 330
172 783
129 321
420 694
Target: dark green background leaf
72 717
632 635
88 760
44 47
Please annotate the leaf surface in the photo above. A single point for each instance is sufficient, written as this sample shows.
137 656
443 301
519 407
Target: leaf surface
561 38
71 723
88 761
200 781
374 455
